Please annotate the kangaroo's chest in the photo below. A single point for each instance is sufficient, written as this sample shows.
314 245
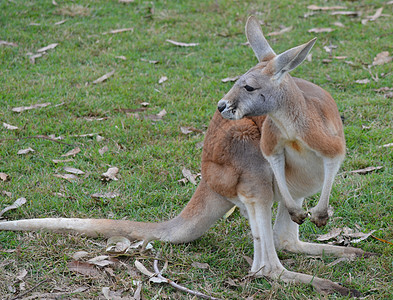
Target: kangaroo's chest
304 169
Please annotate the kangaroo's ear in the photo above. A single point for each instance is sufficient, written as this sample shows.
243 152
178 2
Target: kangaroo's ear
291 58
258 43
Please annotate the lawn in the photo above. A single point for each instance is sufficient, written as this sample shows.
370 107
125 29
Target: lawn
136 118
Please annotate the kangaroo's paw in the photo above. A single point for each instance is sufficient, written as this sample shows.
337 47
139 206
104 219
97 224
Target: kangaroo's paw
318 217
298 215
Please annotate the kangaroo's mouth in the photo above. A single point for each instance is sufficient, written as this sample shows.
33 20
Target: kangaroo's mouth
228 111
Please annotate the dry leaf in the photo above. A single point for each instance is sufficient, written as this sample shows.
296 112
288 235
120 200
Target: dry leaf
5 43
49 47
162 79
338 24
103 150
363 81
345 13
157 117
382 58
22 274
110 174
284 30
101 261
108 195
188 130
23 108
104 77
248 259
230 79
126 1
362 236
119 30
25 151
330 235
199 265
182 44
5 193
340 57
83 268
33 57
143 269
366 170
57 161
117 245
320 30
9 127
99 138
73 171
79 255
54 2
144 104
112 295
61 22
72 152
323 8
190 177
229 212
4 176
18 203
121 57
69 177
377 14
150 61
387 145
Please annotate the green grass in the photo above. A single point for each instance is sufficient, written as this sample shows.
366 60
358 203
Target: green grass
151 155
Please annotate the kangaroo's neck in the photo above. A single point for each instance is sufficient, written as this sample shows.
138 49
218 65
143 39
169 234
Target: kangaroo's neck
290 117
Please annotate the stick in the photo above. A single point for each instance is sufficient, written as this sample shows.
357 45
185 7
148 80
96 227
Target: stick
179 287
30 290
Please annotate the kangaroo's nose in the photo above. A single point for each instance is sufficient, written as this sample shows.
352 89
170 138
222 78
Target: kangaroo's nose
222 104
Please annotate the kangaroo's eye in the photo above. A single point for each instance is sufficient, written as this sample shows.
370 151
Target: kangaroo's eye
249 88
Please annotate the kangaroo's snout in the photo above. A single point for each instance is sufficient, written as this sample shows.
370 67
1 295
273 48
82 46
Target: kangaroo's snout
221 105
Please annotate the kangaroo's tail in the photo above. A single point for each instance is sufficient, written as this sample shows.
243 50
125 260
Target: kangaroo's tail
203 210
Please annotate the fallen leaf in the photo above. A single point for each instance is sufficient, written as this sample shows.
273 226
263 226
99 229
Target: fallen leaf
69 177
104 77
150 61
22 274
180 44
101 261
362 236
112 295
117 245
330 235
57 161
23 108
119 30
54 2
83 268
9 127
157 117
61 22
345 13
140 244
73 171
199 265
188 130
145 104
248 259
33 57
110 174
284 30
363 81
162 79
79 255
143 269
72 152
121 57
382 58
18 203
4 176
377 14
99 138
190 177
387 145
126 1
323 8
49 47
329 48
320 30
383 89
103 150
229 212
230 79
5 193
338 24
366 170
109 195
5 43
25 151
340 57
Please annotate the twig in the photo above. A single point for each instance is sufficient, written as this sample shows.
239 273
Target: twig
179 287
36 137
30 290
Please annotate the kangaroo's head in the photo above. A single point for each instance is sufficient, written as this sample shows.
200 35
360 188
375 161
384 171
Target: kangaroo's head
262 89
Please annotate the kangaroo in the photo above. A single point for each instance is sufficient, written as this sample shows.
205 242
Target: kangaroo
273 138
